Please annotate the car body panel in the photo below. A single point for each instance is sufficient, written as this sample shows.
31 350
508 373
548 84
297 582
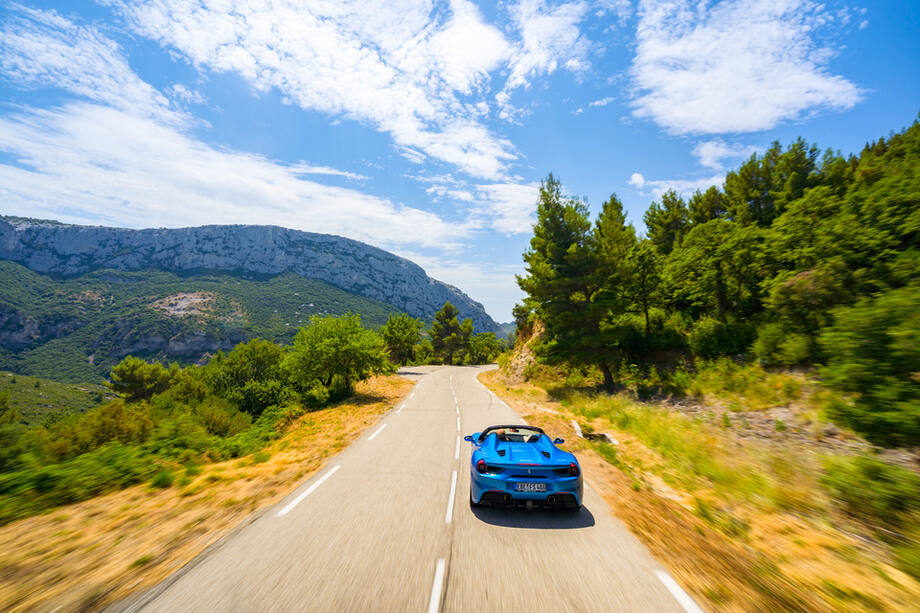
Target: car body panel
511 463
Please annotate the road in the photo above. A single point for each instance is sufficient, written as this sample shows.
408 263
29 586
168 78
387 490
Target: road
386 526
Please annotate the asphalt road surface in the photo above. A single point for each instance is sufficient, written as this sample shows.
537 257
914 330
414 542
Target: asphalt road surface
387 526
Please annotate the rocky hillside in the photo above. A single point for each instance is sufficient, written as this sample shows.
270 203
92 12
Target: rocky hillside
61 250
74 300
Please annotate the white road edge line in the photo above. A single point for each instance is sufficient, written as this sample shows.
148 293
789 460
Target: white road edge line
458 424
678 592
450 501
308 491
400 407
379 430
457 449
435 601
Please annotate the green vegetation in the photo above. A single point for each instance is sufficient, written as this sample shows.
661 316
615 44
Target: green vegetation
451 338
800 259
402 333
89 323
169 418
49 399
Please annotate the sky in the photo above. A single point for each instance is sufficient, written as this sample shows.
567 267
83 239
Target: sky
424 127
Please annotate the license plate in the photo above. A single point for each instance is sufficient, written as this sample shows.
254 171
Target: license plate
530 487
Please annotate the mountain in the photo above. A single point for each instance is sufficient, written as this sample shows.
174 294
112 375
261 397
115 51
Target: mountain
75 299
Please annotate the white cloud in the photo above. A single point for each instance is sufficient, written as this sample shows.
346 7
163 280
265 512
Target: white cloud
41 48
636 180
621 9
303 168
601 102
711 153
734 66
186 95
510 207
399 66
86 163
684 187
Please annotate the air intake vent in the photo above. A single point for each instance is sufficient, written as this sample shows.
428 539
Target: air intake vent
545 454
501 452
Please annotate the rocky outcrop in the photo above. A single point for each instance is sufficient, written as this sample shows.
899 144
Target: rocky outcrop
62 250
20 331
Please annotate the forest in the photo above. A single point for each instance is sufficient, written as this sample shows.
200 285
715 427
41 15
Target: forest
802 258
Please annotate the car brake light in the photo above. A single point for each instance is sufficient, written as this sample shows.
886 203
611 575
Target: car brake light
481 466
573 469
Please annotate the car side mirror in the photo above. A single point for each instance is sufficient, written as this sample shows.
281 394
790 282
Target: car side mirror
558 441
468 438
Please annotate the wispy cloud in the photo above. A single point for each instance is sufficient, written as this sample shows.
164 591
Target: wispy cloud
734 66
87 163
601 102
41 48
303 168
712 152
684 187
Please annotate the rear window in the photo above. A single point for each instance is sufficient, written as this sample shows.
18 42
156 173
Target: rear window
517 435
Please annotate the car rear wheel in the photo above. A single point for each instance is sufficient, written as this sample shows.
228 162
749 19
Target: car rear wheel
473 503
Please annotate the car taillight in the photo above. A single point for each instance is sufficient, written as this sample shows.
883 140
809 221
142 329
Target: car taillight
573 469
481 466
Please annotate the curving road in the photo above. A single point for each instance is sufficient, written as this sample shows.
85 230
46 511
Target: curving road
386 526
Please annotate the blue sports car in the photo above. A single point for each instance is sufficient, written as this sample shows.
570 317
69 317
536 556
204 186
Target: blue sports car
520 465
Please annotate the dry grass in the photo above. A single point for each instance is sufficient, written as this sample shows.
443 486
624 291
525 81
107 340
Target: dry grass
84 556
733 547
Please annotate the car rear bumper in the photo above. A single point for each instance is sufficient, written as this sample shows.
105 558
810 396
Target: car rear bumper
492 489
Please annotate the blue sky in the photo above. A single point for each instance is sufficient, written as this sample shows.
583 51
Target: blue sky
424 127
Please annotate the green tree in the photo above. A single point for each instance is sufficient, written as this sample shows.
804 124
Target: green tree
401 333
644 270
667 222
484 348
335 349
138 380
564 275
449 336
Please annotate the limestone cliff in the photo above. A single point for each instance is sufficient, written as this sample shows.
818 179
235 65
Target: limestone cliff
62 250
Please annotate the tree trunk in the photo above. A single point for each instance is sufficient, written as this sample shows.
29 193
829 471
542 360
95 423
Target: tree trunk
720 293
645 310
608 378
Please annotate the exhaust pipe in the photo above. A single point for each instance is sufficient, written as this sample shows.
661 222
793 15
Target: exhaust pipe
551 501
507 499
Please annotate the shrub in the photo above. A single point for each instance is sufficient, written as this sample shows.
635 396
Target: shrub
111 467
775 346
872 489
162 479
873 352
221 420
710 338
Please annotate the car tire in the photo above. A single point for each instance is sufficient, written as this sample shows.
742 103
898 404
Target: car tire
473 504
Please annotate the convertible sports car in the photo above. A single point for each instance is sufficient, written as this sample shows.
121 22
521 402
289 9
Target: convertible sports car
520 465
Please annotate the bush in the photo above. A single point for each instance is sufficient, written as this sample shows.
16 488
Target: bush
221 420
162 479
108 468
871 489
777 347
873 352
710 338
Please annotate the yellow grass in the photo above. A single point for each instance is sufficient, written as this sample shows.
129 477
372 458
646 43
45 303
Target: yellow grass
734 551
87 555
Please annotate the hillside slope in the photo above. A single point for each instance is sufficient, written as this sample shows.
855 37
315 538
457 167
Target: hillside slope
64 251
76 329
